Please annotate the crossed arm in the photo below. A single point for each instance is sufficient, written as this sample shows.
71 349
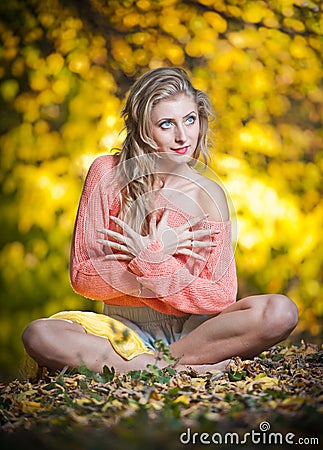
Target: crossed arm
181 240
123 259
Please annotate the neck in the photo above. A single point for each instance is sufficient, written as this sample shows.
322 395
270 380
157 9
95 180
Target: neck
168 168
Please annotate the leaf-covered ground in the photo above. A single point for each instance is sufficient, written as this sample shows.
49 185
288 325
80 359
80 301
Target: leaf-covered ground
277 398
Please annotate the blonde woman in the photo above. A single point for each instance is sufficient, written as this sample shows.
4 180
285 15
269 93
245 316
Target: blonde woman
152 241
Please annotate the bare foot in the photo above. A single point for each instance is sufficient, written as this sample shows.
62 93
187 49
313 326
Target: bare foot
142 361
204 368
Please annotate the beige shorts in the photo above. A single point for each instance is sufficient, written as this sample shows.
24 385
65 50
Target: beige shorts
134 330
152 325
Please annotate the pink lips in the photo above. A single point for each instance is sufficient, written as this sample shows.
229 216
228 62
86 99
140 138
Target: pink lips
182 150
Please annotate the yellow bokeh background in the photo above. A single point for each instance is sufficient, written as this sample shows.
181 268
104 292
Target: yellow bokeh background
65 69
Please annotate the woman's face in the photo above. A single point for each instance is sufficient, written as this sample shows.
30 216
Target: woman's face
175 127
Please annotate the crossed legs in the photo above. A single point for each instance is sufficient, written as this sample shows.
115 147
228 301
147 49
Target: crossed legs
244 329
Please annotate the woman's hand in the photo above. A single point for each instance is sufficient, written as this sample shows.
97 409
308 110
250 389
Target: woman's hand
180 240
128 245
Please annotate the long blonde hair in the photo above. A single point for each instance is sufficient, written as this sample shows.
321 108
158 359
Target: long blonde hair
137 157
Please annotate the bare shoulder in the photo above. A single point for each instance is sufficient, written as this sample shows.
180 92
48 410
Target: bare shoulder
212 200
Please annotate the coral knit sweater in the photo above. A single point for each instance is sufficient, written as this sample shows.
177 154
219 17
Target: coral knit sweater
175 284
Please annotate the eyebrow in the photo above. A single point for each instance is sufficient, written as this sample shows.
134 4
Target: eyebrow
169 118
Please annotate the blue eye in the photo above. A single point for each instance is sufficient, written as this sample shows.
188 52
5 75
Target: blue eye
190 120
165 124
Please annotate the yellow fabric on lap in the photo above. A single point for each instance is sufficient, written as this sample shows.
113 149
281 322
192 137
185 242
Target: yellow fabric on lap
125 341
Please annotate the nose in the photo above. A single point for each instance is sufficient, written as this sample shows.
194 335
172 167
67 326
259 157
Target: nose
180 134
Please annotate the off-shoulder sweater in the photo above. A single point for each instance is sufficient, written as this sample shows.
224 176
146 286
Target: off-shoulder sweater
176 284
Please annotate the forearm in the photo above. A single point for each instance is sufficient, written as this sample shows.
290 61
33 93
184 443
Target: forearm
199 296
98 279
198 291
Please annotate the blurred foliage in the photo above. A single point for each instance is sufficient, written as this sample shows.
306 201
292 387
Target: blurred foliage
65 67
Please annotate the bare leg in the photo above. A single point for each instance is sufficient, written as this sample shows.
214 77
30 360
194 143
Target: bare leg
244 329
59 343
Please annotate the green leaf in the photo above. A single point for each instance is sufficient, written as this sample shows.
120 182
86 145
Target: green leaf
237 376
108 374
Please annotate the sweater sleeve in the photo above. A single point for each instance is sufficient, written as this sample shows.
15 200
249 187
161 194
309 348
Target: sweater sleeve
91 274
190 285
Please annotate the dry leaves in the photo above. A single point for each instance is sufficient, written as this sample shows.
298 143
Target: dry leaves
285 382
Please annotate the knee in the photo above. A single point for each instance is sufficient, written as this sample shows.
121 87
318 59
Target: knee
34 337
278 317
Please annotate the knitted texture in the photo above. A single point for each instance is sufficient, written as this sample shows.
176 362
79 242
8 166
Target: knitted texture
176 284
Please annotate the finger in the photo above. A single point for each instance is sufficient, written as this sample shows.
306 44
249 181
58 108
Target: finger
164 218
118 256
186 251
127 228
114 245
119 237
201 244
104 241
202 233
191 223
197 244
190 236
102 230
166 215
197 219
153 226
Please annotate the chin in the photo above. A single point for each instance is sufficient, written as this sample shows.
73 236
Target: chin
174 156
180 159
